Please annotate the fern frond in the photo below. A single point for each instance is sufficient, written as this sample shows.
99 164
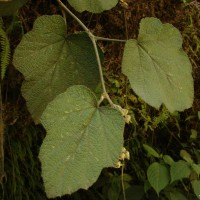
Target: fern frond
5 50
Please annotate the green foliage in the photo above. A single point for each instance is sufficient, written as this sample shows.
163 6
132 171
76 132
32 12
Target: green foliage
82 138
115 189
186 156
158 69
168 159
158 176
161 174
51 61
196 187
196 168
62 70
162 118
151 151
10 7
94 6
180 170
175 195
5 49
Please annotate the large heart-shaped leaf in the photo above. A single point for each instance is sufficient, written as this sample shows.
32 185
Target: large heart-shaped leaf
158 69
82 138
51 61
158 176
94 6
10 7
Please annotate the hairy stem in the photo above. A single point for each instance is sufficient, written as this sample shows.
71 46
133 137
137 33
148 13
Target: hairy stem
109 39
62 5
122 182
105 94
93 39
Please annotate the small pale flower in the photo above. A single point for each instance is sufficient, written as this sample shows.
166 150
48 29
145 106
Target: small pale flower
118 164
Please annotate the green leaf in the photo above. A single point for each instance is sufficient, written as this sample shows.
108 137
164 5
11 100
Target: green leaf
194 134
82 138
51 61
196 168
198 115
94 6
158 176
186 156
180 170
196 187
10 7
175 195
168 159
151 151
158 69
126 177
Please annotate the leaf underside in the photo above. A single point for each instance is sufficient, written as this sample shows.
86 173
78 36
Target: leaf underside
94 6
158 69
51 61
81 140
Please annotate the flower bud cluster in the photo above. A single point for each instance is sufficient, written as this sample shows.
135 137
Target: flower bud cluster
124 155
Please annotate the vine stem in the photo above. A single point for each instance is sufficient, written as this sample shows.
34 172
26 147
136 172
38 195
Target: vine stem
93 39
122 179
62 5
109 39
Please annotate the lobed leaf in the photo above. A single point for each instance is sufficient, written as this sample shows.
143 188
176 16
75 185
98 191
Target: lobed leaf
51 61
81 140
158 69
